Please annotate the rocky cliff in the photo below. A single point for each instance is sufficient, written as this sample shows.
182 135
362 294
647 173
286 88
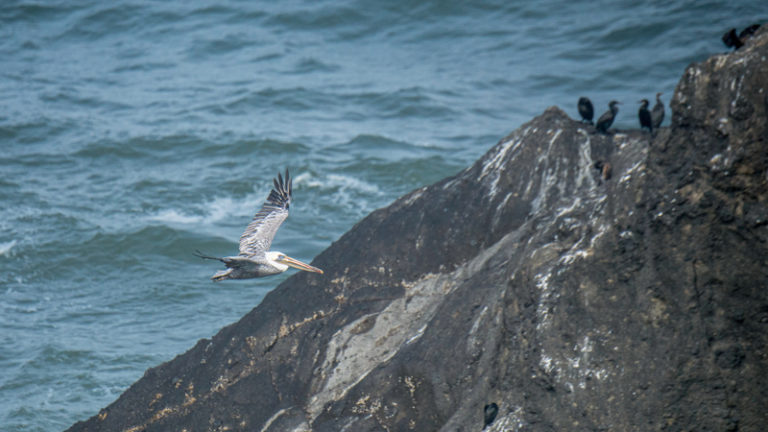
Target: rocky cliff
573 302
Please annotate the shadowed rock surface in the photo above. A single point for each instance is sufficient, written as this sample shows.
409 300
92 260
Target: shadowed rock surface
572 302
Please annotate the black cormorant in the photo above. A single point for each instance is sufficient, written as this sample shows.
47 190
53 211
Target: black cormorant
657 113
606 120
586 110
748 32
732 40
645 116
489 414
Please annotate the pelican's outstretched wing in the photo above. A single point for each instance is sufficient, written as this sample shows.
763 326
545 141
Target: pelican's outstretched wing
259 234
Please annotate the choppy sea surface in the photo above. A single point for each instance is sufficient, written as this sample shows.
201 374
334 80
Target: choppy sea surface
134 132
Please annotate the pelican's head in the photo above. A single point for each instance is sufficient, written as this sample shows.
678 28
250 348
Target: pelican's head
283 261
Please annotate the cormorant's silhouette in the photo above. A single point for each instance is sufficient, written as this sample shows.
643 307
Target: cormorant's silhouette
657 113
586 110
606 120
645 116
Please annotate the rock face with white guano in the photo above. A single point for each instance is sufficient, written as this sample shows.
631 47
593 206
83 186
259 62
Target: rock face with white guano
573 302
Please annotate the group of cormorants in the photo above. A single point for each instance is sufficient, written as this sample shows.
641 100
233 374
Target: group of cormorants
650 119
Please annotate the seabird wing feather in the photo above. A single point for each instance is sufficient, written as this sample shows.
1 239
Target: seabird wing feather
258 236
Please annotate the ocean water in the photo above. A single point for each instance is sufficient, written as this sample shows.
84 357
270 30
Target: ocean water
134 132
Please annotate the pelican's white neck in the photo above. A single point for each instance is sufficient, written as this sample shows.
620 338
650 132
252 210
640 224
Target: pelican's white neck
273 257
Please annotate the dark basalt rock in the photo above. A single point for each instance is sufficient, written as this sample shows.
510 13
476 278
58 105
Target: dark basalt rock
575 303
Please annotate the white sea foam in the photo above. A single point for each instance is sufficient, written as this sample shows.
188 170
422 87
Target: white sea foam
211 211
336 181
173 216
226 207
352 194
5 248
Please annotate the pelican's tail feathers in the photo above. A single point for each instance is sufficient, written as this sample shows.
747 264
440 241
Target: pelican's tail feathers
203 256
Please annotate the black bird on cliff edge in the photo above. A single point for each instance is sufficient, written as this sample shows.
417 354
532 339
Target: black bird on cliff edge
732 40
606 120
657 113
645 116
586 110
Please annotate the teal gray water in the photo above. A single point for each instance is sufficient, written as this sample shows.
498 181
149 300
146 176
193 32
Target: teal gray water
134 132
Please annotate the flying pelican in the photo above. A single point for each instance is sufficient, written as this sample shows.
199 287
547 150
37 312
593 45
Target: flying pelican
255 258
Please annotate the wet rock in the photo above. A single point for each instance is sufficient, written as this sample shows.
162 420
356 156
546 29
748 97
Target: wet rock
574 303
729 358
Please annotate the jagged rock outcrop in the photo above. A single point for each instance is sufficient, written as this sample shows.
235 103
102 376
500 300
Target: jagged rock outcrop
639 302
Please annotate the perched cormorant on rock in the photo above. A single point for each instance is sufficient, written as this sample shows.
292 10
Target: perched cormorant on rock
489 414
586 110
606 120
732 40
645 116
657 114
748 32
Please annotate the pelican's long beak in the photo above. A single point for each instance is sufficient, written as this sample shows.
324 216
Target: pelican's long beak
299 265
